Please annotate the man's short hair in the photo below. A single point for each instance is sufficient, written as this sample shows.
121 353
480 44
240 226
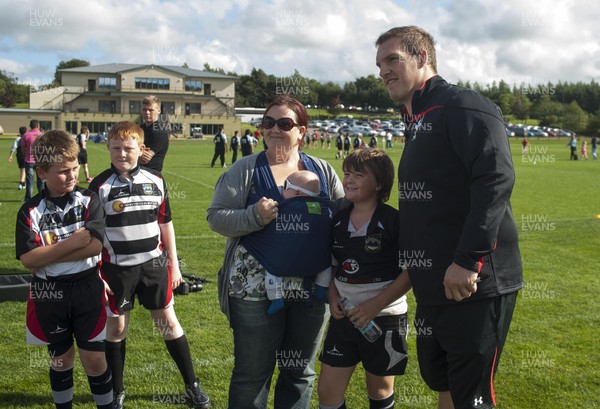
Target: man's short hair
126 129
414 39
54 147
151 100
34 124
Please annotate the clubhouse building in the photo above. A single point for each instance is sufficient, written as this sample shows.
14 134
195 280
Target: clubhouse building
99 96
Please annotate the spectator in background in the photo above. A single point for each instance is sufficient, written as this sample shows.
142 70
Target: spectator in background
156 134
247 143
16 147
572 144
234 146
584 154
27 141
82 157
220 141
595 146
524 145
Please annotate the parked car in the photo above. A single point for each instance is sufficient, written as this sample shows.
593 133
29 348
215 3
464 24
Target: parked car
100 137
536 132
196 133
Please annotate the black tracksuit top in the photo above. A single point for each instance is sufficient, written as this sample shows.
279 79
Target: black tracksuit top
455 179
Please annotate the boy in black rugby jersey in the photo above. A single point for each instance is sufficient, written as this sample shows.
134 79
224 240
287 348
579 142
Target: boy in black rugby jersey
366 270
58 239
140 256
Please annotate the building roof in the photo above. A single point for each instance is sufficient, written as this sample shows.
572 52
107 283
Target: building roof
117 68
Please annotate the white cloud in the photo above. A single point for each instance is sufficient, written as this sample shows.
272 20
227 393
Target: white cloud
478 40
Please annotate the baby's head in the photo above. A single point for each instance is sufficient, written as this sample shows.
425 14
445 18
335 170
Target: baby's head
301 183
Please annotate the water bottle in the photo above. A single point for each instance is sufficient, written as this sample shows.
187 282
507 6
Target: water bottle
372 332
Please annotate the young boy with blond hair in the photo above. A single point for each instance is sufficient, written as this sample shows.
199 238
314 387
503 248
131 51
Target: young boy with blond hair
58 239
140 256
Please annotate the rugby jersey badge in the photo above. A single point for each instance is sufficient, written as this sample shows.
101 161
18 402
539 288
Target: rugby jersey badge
147 188
373 243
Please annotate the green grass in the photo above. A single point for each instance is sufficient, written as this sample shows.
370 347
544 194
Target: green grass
550 360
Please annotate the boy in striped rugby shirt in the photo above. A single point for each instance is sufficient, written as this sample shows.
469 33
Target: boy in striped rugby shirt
139 257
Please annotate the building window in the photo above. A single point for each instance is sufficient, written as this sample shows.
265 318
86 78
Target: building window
71 127
97 127
152 83
135 107
193 108
193 85
167 108
109 106
45 125
207 89
211 129
107 82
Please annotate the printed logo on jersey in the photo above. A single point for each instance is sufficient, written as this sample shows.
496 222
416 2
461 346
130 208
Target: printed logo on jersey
417 126
78 212
350 266
50 238
118 206
313 207
373 244
147 188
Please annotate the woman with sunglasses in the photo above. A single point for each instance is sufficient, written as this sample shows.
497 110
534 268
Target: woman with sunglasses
246 201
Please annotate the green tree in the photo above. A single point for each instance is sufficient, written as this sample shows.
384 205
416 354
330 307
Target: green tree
73 63
11 92
575 118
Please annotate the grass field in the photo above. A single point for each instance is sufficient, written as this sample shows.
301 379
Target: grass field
551 359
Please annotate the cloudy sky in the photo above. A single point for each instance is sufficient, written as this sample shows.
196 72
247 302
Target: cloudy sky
534 41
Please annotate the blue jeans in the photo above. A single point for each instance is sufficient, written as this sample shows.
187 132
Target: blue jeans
289 339
29 175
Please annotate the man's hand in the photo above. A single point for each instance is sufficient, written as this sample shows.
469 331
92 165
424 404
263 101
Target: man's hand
459 283
146 156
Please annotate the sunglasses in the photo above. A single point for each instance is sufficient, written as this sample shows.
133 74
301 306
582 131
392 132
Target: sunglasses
285 124
289 185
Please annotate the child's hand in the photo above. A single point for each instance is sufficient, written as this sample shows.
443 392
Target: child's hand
364 313
176 277
80 238
107 290
336 309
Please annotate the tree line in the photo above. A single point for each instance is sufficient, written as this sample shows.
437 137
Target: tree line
574 106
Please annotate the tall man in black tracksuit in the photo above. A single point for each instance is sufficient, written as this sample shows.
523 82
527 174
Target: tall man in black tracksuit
458 237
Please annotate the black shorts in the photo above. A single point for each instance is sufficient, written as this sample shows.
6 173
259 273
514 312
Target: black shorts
150 281
82 157
339 146
459 347
21 161
57 311
345 346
